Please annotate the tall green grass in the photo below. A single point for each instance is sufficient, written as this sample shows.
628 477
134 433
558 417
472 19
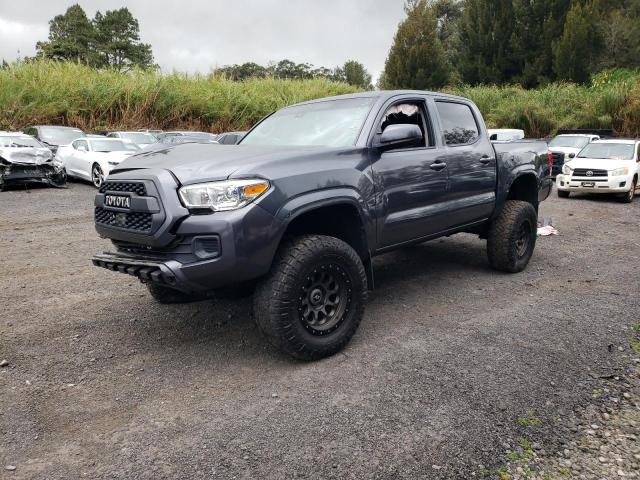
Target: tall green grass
44 92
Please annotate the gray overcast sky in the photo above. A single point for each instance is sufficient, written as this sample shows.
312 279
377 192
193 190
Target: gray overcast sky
197 35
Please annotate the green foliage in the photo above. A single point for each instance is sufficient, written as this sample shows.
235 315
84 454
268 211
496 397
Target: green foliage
69 93
352 72
612 101
118 41
485 32
71 37
574 53
109 40
417 59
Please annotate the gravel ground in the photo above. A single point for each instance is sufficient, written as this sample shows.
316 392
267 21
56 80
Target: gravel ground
454 369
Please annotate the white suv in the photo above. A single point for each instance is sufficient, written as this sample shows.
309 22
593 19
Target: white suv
604 166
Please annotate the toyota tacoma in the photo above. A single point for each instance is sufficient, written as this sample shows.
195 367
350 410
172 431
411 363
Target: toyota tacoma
300 206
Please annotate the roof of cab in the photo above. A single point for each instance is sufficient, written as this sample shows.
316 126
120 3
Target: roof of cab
385 94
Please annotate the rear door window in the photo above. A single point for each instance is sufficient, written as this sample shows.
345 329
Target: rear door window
458 123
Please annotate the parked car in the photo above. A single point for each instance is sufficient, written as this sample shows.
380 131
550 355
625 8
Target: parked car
24 160
54 136
309 196
185 136
563 147
230 138
603 166
142 139
93 158
505 134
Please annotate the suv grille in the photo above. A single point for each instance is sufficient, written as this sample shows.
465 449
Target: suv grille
128 187
138 221
582 172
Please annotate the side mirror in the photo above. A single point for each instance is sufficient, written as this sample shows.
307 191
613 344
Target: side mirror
400 134
82 148
572 155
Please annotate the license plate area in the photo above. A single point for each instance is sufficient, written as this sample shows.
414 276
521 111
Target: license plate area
589 184
117 201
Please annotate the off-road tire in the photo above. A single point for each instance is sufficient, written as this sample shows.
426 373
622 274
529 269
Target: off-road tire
505 249
630 195
281 309
563 194
166 295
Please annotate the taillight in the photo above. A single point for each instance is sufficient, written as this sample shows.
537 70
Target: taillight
550 160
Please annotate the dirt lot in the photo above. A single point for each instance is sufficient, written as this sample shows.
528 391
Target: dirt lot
449 363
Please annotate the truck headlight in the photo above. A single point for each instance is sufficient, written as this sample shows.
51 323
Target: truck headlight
225 195
620 171
566 169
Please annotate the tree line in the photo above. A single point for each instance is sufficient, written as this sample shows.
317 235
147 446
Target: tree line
111 40
439 43
526 42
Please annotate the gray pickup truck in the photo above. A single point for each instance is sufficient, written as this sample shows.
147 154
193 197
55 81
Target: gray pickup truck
298 209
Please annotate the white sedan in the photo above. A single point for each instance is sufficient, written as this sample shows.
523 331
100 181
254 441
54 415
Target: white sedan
93 158
603 166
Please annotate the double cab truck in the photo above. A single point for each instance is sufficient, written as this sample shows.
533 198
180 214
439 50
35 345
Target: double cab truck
300 206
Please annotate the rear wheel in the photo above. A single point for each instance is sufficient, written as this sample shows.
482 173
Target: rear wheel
512 237
97 177
563 194
630 195
313 300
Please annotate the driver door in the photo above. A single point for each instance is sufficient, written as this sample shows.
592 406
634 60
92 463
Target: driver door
411 181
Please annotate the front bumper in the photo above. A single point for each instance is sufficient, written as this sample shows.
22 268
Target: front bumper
618 184
16 173
170 252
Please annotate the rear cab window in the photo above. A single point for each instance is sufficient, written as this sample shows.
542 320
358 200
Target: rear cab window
459 125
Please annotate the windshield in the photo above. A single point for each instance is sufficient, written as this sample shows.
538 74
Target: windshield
569 141
140 138
19 142
60 136
608 151
113 146
334 123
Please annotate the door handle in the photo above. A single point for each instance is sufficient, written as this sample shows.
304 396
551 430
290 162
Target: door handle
437 166
485 160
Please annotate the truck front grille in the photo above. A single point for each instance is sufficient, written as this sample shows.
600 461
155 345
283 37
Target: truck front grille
138 221
124 187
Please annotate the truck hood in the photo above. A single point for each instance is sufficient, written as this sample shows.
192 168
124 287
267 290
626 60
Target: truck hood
196 162
599 163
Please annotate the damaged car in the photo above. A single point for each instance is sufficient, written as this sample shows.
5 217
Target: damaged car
24 160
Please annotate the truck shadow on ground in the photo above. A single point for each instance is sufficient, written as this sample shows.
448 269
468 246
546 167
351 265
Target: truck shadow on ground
225 323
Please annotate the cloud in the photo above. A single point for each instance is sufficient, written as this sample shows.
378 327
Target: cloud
18 38
198 35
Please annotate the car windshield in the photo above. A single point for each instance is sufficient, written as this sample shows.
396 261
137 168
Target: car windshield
113 146
569 141
60 136
608 151
334 123
19 141
139 138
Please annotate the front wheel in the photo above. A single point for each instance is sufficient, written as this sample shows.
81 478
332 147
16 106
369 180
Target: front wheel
97 177
512 237
312 301
629 196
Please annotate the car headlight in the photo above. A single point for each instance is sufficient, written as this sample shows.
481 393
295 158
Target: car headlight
620 171
566 169
221 196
